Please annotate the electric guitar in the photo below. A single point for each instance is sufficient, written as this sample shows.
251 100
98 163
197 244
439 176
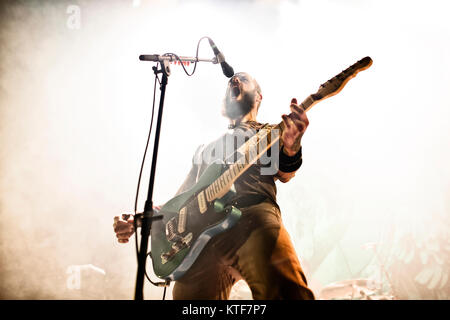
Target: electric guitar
193 217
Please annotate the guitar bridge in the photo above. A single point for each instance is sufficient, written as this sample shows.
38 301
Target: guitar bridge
177 246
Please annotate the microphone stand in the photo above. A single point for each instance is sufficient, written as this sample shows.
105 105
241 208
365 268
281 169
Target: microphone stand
147 216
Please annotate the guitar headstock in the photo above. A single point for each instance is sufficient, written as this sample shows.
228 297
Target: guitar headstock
335 84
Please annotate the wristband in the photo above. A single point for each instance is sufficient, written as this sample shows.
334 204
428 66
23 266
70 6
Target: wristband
290 164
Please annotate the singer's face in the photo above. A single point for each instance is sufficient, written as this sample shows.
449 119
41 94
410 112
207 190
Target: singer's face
240 97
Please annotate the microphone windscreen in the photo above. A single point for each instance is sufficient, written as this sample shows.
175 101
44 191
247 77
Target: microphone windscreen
227 70
149 57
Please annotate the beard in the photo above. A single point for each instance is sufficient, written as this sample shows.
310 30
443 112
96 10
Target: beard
234 109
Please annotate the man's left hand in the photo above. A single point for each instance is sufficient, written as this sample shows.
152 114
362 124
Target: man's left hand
295 126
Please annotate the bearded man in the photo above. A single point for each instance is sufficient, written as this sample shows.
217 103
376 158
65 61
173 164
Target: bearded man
258 248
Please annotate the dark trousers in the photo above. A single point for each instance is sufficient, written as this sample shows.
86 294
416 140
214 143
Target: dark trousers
258 250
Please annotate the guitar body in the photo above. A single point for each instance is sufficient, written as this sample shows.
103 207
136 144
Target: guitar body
188 223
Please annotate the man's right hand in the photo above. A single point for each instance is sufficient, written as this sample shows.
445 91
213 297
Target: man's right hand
124 227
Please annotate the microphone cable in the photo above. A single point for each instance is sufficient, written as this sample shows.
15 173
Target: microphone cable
181 62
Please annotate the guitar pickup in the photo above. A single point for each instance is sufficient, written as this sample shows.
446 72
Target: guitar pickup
182 220
202 202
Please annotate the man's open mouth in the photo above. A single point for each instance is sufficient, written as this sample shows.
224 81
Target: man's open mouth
235 91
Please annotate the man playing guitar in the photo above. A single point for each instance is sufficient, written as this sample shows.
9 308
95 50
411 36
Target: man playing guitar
258 248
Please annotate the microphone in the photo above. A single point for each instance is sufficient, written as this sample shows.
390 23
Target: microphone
226 68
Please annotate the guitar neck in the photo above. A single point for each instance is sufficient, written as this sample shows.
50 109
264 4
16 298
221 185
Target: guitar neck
309 102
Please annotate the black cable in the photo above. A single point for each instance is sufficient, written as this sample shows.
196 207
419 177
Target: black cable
142 167
138 187
156 284
196 57
140 176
